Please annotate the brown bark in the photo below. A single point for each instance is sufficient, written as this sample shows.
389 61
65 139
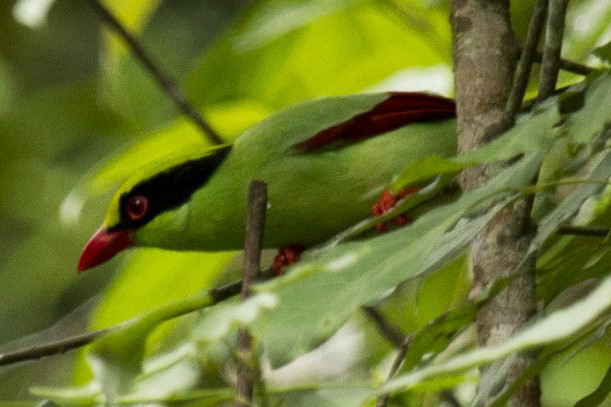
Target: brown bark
484 52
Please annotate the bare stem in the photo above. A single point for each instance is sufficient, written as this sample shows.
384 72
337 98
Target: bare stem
553 48
527 57
167 83
255 224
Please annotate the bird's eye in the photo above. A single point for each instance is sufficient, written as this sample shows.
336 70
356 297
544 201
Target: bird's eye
136 207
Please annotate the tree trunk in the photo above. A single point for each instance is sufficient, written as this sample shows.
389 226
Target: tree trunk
484 52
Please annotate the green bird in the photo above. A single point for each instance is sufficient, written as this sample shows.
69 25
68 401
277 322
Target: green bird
326 162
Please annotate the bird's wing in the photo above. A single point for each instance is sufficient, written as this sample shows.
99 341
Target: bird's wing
398 110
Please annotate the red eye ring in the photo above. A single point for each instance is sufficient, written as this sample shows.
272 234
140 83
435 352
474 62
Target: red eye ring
137 206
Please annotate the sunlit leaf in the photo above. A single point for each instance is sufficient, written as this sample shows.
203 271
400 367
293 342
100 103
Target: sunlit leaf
351 62
181 275
599 395
561 325
116 359
566 381
276 18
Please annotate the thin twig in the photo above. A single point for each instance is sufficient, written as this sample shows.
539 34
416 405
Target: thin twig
595 231
568 65
389 331
527 56
53 348
255 224
553 48
169 85
396 364
573 67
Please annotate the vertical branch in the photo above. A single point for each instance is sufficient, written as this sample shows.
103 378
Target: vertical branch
527 58
484 52
553 48
167 83
255 224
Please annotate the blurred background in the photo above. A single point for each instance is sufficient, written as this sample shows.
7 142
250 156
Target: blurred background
78 113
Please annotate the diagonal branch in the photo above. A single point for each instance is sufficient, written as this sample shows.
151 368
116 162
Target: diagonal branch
53 348
389 331
169 85
216 295
396 364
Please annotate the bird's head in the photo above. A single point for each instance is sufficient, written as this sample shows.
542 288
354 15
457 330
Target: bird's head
155 192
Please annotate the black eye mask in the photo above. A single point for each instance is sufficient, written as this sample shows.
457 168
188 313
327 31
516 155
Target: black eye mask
170 188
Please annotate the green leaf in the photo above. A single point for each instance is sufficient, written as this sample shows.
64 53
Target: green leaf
84 395
426 168
598 396
324 397
352 62
180 273
531 134
333 285
593 118
566 381
558 163
603 52
203 397
116 358
601 169
498 389
275 18
224 318
566 324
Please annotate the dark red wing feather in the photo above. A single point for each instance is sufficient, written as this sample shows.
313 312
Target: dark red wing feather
398 110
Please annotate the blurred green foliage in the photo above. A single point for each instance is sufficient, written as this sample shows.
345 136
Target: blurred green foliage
78 113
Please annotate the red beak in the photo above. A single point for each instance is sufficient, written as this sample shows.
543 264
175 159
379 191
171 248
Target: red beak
102 246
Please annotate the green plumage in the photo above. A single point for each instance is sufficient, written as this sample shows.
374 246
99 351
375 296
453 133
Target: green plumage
311 195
